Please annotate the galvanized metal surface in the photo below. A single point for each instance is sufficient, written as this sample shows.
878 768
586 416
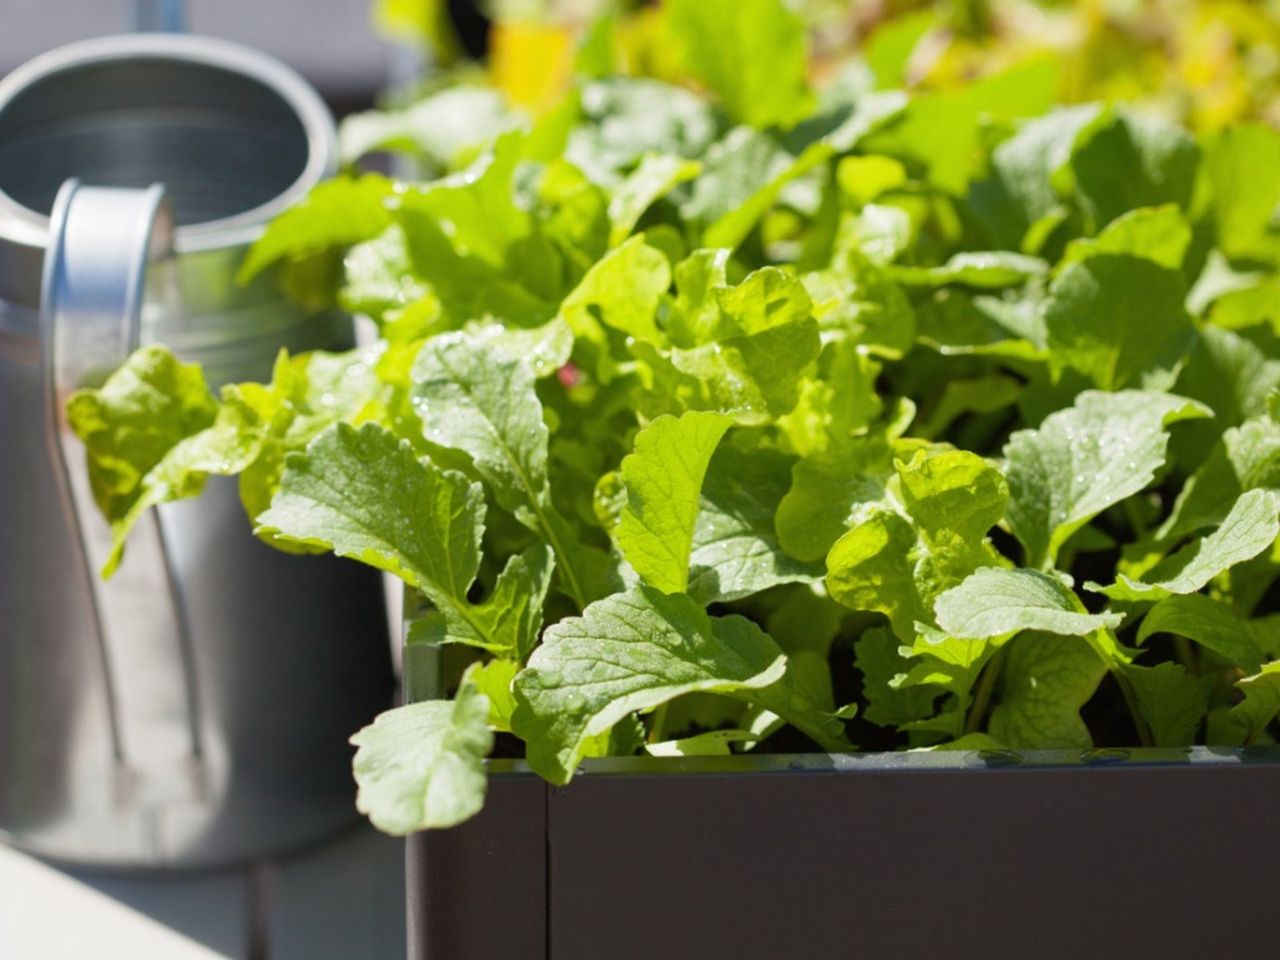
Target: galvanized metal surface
224 737
101 240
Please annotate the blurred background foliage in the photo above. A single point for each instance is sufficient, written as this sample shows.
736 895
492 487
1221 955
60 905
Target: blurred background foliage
1206 63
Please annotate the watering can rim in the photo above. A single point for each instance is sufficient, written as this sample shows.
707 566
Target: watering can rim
25 227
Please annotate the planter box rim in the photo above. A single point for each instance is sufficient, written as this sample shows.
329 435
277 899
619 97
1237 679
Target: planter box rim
909 762
424 680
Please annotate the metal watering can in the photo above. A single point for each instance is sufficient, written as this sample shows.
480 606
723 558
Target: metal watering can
193 710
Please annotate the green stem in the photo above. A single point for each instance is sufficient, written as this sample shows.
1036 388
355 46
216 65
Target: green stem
982 696
1131 701
823 738
1107 647
546 520
657 729
1186 656
827 739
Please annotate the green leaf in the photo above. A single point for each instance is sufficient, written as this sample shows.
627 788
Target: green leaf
696 314
985 394
134 419
1029 164
248 433
1119 320
892 42
1265 631
838 402
626 118
1171 701
1261 701
750 53
254 426
364 494
379 281
734 224
740 163
870 568
652 180
307 394
863 179
1251 527
1044 682
1248 306
897 565
735 549
956 323
446 128
421 766
493 679
486 406
1247 458
803 619
336 213
803 697
954 498
571 223
877 654
995 603
622 291
1159 234
1082 460
475 207
467 286
765 299
989 270
247 417
969 741
1124 161
940 662
508 620
1209 623
544 349
847 114
1233 376
942 130
663 479
765 339
252 429
1242 166
630 652
713 743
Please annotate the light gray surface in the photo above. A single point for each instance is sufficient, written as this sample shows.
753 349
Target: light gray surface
340 901
329 41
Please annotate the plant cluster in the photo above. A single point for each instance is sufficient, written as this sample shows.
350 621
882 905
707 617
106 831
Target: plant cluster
771 417
1204 62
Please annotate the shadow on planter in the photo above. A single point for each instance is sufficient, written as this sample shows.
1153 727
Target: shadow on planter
1037 854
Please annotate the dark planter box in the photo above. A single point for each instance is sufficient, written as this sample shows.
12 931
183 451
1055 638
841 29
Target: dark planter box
1035 856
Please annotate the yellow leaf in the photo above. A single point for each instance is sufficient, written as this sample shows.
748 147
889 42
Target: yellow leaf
532 62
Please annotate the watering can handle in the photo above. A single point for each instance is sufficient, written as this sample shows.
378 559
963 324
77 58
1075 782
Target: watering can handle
101 242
